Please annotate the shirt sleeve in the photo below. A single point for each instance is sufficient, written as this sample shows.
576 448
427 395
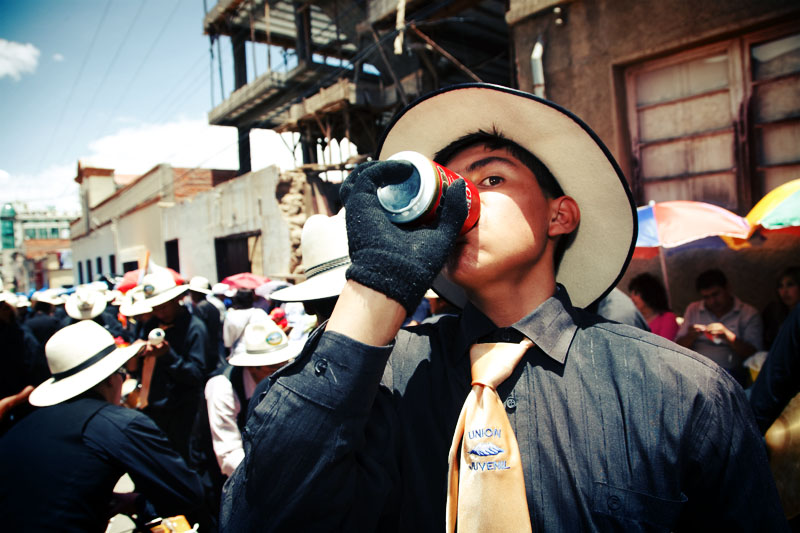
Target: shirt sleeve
318 445
732 487
223 408
689 318
779 379
135 443
753 329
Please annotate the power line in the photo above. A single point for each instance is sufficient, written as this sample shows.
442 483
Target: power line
72 90
105 75
142 63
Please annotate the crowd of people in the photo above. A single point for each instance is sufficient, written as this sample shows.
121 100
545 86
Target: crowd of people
533 395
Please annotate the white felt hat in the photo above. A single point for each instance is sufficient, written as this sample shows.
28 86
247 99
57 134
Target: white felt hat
85 303
159 288
582 165
325 260
265 344
200 284
79 356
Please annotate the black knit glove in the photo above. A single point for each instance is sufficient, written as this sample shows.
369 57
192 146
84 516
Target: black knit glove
398 261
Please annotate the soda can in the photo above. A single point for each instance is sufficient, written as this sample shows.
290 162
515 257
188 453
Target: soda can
416 199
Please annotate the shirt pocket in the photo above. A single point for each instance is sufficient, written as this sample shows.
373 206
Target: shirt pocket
614 508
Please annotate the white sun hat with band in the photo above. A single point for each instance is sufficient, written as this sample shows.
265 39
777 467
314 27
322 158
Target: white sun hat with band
85 303
159 288
265 344
325 260
583 167
79 356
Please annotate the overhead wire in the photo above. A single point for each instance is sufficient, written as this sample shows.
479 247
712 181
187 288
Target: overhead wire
78 78
100 85
142 63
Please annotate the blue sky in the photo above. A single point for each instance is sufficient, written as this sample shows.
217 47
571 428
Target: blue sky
123 84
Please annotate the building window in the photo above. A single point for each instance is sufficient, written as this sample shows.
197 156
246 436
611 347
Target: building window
80 273
41 233
99 266
720 124
89 277
30 233
112 264
54 233
127 266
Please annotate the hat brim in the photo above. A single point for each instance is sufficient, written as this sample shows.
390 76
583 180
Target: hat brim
165 296
198 289
272 357
55 391
325 285
72 309
584 168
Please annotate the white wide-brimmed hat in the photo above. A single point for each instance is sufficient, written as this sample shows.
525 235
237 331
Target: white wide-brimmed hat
9 297
85 303
132 303
160 287
22 301
47 296
265 344
325 260
200 284
220 288
581 164
79 356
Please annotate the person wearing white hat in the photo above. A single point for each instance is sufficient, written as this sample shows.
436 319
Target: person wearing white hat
597 425
42 322
325 261
176 389
89 303
60 463
227 394
207 311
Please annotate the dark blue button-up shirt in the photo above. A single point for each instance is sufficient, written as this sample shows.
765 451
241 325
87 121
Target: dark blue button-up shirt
617 429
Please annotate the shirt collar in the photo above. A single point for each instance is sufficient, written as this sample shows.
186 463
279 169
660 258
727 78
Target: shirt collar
551 326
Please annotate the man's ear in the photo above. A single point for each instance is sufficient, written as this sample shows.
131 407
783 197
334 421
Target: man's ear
564 216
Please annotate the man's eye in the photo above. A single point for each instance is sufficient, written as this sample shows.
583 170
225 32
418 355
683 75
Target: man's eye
492 181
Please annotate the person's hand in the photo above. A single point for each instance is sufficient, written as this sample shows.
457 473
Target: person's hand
155 350
718 333
122 503
397 261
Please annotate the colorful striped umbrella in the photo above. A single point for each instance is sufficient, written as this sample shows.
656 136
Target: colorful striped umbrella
779 210
672 224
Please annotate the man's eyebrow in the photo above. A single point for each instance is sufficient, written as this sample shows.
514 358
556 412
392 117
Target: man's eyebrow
480 163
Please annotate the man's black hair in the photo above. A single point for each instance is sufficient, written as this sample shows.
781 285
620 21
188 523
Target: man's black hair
243 299
494 140
711 278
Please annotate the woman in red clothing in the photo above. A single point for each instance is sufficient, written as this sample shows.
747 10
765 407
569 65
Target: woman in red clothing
650 298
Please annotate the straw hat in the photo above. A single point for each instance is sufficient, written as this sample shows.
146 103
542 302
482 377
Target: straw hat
10 298
160 288
265 344
325 260
132 303
79 356
47 296
582 165
85 303
200 284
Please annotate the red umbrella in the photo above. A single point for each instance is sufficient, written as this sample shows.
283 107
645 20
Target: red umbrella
131 279
245 280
